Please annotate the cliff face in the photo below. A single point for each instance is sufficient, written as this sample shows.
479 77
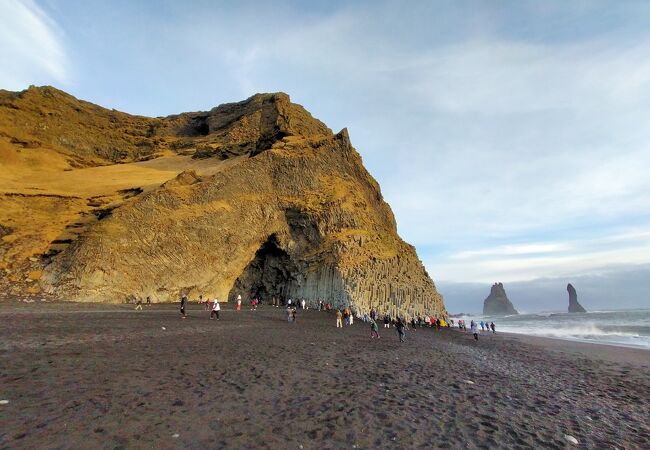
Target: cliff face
574 306
497 302
251 198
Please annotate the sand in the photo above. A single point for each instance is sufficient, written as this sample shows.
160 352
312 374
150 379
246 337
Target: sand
98 376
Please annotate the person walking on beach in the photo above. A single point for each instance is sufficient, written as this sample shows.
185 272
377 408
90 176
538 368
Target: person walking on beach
138 305
215 309
400 329
474 329
493 328
386 321
339 319
374 329
289 314
482 326
238 302
294 312
148 300
183 305
303 304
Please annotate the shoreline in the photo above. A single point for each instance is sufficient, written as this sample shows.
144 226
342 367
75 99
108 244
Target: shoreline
612 352
12 307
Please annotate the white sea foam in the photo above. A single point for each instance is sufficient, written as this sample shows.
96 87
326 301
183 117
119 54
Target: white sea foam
626 328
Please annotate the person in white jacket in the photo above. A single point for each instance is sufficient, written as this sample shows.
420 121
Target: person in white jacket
474 329
215 309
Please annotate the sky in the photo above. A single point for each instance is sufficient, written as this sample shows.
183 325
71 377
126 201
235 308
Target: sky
511 138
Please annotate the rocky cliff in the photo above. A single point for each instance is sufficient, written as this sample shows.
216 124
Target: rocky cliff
497 302
251 198
574 306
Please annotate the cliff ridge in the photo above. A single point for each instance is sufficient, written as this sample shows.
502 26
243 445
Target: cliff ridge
254 198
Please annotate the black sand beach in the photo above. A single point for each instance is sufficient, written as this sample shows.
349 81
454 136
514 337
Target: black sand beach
104 376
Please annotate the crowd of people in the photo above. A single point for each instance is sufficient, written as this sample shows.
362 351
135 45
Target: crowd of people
344 316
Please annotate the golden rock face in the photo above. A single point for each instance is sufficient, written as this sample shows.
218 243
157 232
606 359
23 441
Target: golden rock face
255 198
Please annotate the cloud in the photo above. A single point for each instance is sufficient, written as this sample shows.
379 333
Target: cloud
31 48
566 258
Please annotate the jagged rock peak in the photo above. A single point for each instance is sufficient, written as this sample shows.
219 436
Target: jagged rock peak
574 306
497 302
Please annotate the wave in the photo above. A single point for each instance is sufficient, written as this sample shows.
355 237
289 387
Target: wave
629 336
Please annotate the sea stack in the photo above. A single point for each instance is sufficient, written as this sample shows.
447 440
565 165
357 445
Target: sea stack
497 302
574 306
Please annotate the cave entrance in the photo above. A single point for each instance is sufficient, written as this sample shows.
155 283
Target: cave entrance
268 275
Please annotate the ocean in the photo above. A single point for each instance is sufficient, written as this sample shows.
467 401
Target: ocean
630 328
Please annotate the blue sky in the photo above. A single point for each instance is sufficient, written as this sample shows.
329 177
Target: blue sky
510 138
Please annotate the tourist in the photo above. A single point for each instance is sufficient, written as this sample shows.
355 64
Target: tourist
493 327
365 317
386 321
303 304
374 329
474 329
148 300
482 326
138 305
238 302
183 305
293 314
215 309
413 322
399 325
351 318
339 319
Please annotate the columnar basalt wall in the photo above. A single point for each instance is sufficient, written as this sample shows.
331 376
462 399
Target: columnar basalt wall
263 200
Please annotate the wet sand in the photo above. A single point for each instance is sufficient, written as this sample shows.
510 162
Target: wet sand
99 376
